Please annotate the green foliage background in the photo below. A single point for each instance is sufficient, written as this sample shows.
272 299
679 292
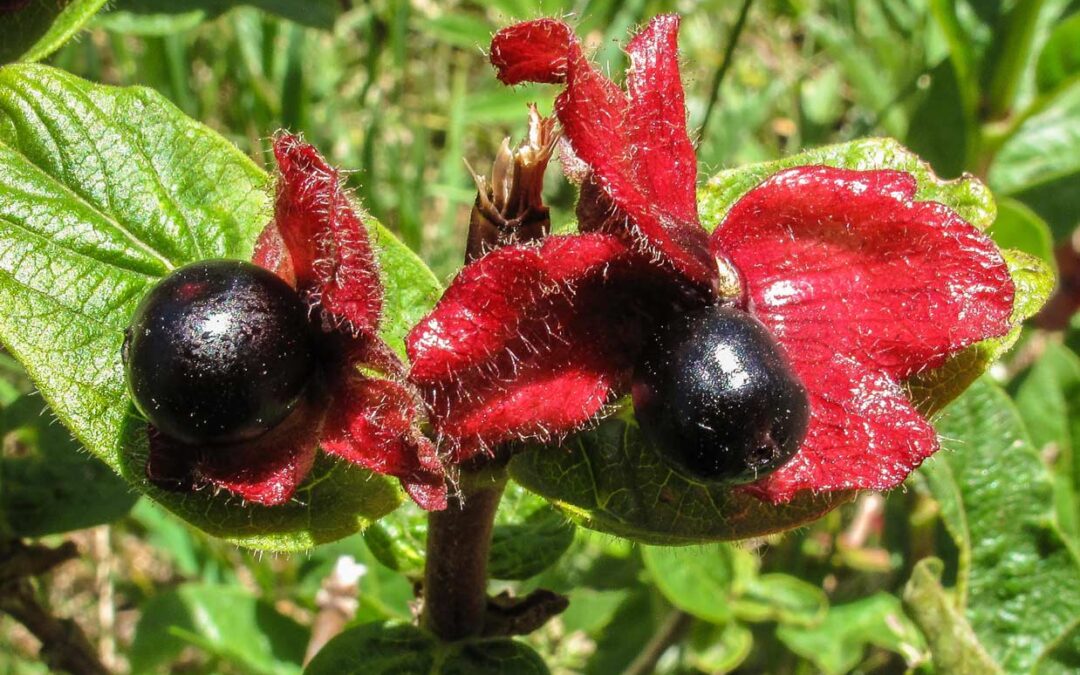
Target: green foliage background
972 568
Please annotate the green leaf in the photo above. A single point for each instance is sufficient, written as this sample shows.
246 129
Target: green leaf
953 644
967 196
620 641
410 289
1039 164
1018 578
1059 62
34 32
398 540
48 484
1018 227
223 621
385 648
102 192
529 537
492 657
702 582
782 598
719 649
376 648
837 644
611 479
720 583
940 130
1048 398
162 17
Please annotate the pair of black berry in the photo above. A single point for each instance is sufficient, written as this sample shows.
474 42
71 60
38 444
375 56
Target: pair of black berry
221 351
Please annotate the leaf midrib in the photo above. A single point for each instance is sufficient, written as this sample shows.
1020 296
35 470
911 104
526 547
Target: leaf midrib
70 190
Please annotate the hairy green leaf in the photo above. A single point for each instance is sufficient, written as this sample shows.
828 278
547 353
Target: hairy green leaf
1048 398
102 192
40 28
837 644
613 480
382 649
48 484
1018 580
224 622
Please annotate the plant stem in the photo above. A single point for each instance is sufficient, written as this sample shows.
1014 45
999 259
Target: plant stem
1020 27
671 631
458 541
63 644
725 63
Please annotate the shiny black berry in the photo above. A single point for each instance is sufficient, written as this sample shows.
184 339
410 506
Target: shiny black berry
715 393
218 352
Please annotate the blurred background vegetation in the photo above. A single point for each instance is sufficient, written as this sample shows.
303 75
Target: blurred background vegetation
399 93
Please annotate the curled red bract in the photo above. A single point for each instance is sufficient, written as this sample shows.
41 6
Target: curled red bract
362 408
860 284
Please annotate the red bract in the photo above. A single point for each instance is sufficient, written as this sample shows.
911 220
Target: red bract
641 185
861 285
318 243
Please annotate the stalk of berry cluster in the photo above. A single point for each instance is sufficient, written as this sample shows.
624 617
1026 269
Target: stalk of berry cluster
509 209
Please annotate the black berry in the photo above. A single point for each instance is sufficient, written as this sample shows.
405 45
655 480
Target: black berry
219 352
715 393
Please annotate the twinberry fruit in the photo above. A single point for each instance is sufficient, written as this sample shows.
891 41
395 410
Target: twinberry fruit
219 352
717 396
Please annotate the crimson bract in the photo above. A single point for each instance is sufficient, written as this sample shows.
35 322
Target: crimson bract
861 285
360 407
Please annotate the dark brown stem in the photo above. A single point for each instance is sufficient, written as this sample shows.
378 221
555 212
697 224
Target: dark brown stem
671 631
458 541
18 560
63 644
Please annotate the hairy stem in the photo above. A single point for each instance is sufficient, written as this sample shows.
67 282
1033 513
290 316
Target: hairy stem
458 541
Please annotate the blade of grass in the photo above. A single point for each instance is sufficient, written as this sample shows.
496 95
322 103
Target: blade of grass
725 64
